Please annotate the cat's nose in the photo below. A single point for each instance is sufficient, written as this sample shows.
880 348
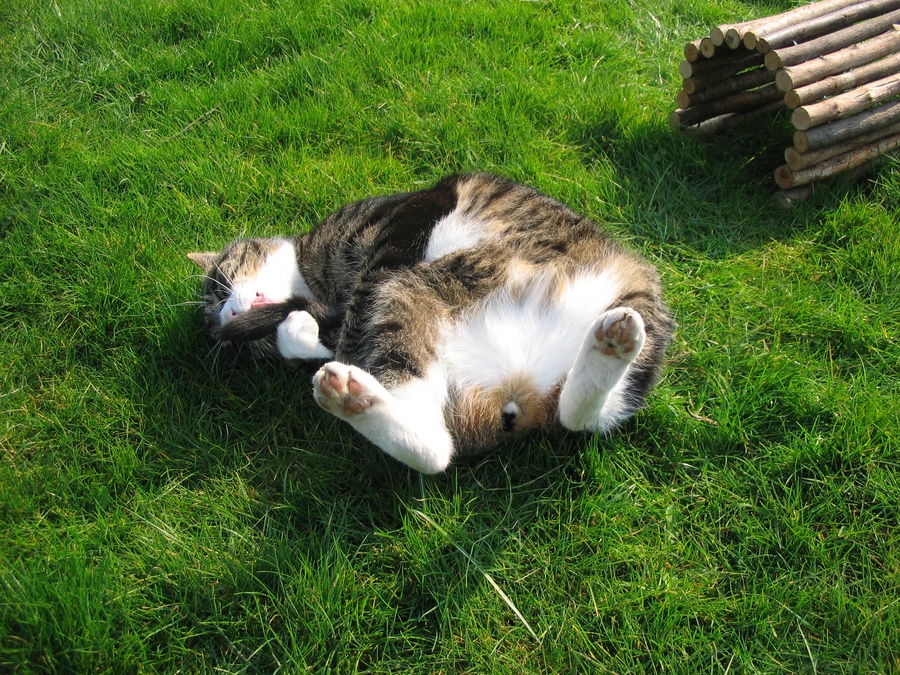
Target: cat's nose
260 299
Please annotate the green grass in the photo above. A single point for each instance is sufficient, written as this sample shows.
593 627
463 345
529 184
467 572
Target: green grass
160 514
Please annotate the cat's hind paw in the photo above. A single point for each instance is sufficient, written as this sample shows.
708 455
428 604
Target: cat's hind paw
345 391
588 399
620 333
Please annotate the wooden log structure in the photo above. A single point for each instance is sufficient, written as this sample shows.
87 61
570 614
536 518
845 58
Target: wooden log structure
834 63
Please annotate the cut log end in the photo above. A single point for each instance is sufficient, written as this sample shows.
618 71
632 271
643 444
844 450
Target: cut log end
800 119
733 38
750 40
793 158
791 98
784 177
784 80
675 120
692 51
707 48
772 61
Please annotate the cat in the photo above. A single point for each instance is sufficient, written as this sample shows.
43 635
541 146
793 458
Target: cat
451 318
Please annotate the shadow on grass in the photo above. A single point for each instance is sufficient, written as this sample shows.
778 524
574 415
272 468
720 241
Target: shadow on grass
713 194
320 490
335 518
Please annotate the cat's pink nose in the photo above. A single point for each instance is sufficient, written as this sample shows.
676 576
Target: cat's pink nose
260 299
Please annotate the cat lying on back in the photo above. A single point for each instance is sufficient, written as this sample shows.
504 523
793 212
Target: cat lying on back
452 317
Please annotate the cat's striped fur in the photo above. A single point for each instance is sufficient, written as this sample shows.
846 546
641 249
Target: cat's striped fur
453 316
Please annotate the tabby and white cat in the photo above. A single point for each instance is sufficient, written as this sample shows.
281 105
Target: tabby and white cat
452 317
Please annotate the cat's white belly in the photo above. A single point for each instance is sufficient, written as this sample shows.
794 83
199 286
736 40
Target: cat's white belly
536 331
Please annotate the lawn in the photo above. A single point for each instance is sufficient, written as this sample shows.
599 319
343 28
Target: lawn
165 511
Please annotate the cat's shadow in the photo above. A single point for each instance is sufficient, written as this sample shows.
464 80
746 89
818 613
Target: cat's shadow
318 487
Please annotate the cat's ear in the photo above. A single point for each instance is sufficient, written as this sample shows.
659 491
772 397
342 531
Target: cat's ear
205 260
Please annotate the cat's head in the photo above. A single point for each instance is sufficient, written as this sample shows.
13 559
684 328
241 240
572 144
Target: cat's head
258 274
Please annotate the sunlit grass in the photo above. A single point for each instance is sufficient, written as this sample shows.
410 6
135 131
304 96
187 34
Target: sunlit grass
162 511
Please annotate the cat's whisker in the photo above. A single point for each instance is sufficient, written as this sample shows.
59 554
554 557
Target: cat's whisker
222 273
213 351
224 285
218 358
236 355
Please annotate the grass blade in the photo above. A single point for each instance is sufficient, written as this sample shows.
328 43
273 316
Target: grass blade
428 519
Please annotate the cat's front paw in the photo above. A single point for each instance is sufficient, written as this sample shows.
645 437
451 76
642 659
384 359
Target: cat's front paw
297 337
620 333
345 391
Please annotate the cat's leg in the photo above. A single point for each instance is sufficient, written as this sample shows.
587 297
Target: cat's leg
297 337
406 422
593 396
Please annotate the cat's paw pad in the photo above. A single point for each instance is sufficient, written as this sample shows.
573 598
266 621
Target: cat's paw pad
344 390
620 333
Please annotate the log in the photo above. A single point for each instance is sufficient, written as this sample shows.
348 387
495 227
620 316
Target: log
692 51
791 18
842 82
717 34
801 160
847 104
735 61
740 102
727 121
707 48
791 56
694 84
787 178
823 24
734 37
714 76
841 130
747 80
793 77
